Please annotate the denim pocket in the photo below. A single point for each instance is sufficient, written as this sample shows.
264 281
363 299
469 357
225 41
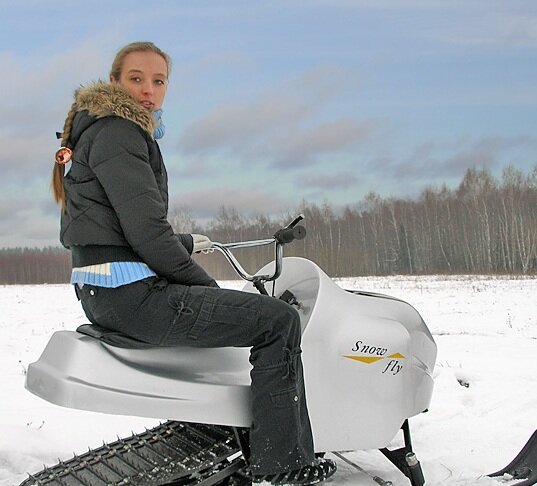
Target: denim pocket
225 310
285 398
99 307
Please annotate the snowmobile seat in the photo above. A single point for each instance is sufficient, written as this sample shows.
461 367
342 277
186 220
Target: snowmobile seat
108 372
113 338
225 363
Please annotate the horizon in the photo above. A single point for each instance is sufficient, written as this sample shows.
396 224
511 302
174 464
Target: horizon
509 174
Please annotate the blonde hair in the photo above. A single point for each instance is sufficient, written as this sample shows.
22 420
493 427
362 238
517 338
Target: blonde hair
117 65
58 191
58 172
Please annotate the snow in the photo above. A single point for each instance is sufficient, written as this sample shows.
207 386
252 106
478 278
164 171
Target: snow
482 412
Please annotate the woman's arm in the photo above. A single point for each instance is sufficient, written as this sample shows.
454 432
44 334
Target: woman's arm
120 159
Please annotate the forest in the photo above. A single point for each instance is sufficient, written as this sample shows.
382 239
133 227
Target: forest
486 225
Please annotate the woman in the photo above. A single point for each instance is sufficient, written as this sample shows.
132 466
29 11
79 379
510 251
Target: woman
133 274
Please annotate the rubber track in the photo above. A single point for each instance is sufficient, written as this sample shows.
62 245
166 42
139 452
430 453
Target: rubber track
176 453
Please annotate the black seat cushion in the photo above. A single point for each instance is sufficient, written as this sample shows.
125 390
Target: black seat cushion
112 338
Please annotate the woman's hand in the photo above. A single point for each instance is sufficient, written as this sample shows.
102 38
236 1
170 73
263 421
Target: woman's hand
201 243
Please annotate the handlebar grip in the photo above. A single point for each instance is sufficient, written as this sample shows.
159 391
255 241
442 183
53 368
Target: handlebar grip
286 235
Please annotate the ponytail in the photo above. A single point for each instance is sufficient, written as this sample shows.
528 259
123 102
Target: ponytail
61 157
56 184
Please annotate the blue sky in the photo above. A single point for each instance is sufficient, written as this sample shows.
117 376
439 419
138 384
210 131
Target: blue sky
275 102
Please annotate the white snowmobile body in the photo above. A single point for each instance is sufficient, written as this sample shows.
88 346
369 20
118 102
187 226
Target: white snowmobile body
368 361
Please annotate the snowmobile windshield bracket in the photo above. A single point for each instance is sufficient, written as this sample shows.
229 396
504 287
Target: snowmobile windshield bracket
226 248
283 236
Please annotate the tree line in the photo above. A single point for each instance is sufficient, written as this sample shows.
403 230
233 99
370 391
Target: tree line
485 225
34 265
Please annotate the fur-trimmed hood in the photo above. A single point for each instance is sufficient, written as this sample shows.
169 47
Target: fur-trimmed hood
102 99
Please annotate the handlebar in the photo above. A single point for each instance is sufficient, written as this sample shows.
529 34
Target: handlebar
286 235
283 236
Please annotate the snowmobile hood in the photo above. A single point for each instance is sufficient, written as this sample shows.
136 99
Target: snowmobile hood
100 100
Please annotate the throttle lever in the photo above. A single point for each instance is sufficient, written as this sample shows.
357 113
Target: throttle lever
295 221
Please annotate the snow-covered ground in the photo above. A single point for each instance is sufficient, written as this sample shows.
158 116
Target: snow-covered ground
485 328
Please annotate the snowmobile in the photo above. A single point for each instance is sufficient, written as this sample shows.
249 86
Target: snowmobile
368 362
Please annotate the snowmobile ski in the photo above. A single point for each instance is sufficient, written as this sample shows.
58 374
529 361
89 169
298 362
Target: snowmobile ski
523 466
173 453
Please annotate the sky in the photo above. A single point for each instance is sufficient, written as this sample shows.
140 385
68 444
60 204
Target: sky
272 103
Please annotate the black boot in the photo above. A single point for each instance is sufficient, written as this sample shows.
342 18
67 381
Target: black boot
318 472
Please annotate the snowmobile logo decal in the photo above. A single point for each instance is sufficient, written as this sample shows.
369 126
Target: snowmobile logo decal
373 359
393 367
371 354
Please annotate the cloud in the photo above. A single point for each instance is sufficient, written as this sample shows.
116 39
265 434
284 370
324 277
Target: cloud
342 180
442 162
36 92
481 24
477 26
205 203
288 104
26 156
385 4
27 222
282 127
305 147
235 127
518 29
493 152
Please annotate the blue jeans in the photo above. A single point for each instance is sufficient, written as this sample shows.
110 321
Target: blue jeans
161 313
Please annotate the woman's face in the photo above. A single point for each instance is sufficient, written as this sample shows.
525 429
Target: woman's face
145 75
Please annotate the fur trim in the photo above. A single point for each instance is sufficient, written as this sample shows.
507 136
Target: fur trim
102 99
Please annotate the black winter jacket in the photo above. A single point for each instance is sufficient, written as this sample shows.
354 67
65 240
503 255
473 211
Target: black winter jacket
117 189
